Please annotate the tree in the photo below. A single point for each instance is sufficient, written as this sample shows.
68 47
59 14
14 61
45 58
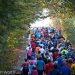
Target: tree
15 16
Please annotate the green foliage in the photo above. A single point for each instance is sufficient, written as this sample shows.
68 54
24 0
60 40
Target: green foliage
13 39
7 60
70 30
15 17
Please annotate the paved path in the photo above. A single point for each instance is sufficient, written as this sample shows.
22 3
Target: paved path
22 56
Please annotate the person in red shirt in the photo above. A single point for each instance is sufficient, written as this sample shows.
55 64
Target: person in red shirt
33 45
55 54
48 67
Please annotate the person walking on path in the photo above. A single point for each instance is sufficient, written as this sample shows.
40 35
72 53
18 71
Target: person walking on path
40 66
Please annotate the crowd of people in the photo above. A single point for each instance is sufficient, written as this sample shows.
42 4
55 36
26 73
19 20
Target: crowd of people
48 53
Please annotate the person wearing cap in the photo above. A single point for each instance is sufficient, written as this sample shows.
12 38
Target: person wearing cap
64 51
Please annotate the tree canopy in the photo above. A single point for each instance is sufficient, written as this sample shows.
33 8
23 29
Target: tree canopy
15 16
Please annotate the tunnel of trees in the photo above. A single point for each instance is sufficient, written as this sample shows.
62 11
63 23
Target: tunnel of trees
15 17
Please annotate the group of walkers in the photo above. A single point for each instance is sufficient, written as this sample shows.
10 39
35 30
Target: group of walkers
48 53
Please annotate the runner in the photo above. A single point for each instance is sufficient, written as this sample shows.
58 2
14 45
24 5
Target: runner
49 53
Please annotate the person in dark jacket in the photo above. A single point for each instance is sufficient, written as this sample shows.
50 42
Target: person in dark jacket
25 69
65 70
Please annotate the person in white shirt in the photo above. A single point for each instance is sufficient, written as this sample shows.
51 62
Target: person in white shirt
42 50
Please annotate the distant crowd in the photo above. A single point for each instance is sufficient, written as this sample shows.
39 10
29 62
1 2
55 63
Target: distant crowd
48 53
